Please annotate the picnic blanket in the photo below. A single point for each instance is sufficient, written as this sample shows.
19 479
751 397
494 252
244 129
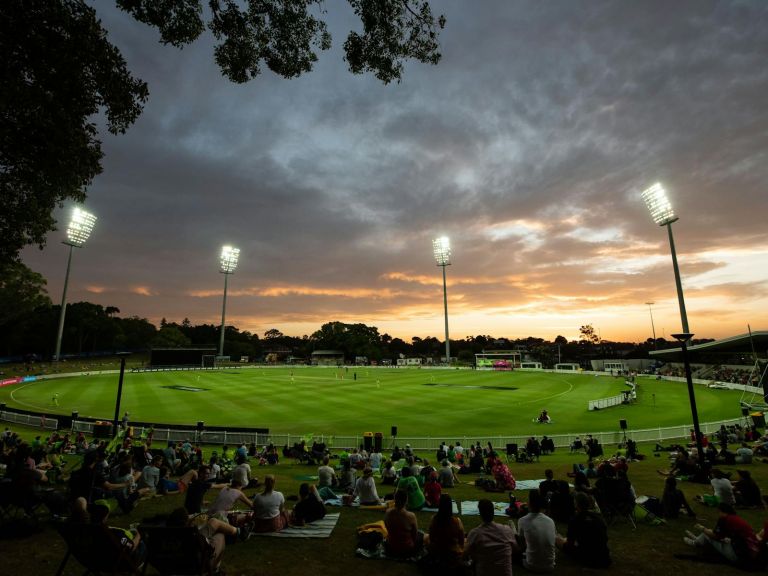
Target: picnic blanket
469 508
528 484
317 529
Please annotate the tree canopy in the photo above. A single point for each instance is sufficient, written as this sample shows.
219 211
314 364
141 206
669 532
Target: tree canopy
59 70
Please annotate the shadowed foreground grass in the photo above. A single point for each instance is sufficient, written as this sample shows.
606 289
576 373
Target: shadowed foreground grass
646 550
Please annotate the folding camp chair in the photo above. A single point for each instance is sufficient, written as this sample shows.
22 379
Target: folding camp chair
98 549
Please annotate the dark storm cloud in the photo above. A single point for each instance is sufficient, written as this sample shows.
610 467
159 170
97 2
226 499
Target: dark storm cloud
528 145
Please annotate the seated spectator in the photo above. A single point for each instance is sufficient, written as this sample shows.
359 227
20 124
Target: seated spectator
309 508
375 460
403 536
537 534
150 475
242 472
347 477
673 500
502 475
268 508
198 486
744 454
561 502
356 460
227 498
326 476
446 539
490 546
426 471
388 474
746 491
732 538
587 537
475 461
214 531
432 491
365 489
130 538
547 445
722 490
548 486
410 485
447 475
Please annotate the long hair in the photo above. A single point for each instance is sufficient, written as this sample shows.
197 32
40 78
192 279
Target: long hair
444 508
269 484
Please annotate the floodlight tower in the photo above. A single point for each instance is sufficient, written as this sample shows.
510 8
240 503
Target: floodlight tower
229 257
80 227
653 327
664 215
441 247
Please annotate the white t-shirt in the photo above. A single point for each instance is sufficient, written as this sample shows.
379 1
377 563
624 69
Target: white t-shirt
365 488
325 476
266 506
723 490
538 530
242 473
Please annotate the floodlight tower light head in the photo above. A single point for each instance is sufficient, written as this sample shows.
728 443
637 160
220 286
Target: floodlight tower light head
442 250
80 227
229 257
659 205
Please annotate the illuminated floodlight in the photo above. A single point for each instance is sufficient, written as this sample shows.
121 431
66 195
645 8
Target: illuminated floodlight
80 227
229 257
441 247
659 205
228 263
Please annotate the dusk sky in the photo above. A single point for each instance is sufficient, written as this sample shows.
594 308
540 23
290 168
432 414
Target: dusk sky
528 145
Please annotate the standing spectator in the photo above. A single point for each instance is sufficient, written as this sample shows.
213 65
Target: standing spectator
587 538
491 545
537 531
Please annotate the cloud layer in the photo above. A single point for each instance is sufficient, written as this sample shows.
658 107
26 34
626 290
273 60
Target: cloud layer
528 145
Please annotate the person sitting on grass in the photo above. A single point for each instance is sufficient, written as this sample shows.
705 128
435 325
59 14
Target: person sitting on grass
214 530
403 536
722 490
732 538
490 546
269 508
501 475
388 474
347 477
309 508
198 486
746 491
410 485
446 539
537 535
131 539
326 475
365 489
432 491
447 474
673 500
587 537
227 498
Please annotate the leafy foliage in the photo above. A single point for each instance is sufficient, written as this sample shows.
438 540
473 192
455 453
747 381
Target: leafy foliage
58 70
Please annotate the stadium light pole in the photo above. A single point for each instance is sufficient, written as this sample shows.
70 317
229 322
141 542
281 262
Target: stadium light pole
122 356
441 247
80 227
684 338
653 328
663 214
229 257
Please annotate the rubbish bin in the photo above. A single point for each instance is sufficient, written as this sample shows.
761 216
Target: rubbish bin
368 441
